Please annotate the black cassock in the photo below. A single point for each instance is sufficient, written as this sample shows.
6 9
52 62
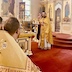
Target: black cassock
38 34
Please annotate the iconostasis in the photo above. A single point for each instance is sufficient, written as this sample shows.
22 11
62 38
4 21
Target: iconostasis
60 14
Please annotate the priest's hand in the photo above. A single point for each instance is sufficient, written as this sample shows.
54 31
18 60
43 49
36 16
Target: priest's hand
42 23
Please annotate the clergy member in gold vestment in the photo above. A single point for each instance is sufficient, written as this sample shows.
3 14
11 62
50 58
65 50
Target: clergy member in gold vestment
12 57
46 38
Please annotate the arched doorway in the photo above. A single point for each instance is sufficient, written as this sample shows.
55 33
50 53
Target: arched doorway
57 17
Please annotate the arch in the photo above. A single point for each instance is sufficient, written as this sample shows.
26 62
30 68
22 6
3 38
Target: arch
58 8
58 5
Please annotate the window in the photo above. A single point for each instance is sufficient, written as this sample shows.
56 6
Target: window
27 9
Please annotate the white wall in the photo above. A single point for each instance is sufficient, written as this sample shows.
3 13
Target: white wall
35 8
0 7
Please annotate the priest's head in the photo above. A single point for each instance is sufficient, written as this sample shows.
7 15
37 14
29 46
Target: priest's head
12 26
44 14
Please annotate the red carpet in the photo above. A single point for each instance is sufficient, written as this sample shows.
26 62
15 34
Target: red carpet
54 60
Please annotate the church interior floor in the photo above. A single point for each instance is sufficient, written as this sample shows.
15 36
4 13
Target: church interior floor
55 60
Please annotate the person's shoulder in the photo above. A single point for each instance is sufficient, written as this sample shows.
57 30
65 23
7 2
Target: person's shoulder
47 18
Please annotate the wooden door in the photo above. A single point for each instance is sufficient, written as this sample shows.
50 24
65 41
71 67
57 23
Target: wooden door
57 19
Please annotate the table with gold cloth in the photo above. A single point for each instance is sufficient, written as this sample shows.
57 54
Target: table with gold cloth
25 39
